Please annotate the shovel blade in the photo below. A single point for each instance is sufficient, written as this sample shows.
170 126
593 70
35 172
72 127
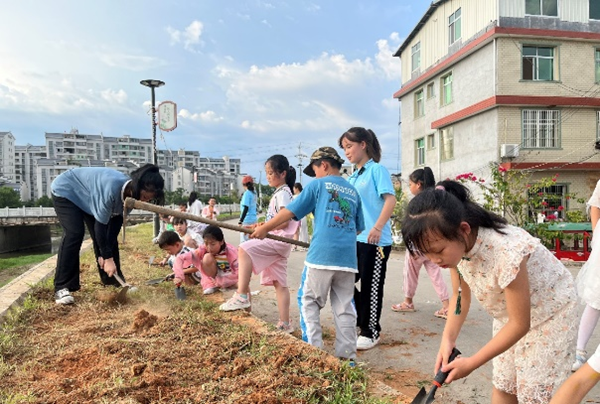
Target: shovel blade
420 397
180 293
151 261
122 295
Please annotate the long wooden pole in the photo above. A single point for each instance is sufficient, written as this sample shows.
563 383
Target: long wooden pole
131 203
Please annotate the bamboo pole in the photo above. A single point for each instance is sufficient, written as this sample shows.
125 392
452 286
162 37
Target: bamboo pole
131 203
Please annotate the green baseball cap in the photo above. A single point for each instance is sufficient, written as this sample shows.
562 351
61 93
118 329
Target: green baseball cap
325 152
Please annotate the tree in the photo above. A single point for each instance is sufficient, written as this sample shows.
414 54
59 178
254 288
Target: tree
44 201
9 198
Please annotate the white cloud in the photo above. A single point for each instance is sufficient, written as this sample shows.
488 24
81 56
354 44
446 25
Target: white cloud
206 117
385 59
131 62
111 96
190 36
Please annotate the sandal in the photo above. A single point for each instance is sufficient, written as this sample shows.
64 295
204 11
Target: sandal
441 313
403 307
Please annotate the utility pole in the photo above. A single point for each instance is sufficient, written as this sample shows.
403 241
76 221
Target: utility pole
300 156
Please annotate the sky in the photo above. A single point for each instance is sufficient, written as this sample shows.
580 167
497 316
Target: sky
250 78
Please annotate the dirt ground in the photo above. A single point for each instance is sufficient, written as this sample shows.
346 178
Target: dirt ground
155 349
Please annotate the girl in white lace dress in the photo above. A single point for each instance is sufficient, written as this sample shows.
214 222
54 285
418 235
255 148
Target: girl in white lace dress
517 280
588 285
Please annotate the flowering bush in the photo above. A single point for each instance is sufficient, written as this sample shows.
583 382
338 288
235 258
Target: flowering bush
513 195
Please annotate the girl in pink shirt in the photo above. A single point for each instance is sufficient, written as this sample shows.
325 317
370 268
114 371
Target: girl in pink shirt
216 260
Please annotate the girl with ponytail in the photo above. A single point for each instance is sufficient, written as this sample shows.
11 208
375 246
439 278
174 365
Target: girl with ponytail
374 244
519 282
418 181
269 257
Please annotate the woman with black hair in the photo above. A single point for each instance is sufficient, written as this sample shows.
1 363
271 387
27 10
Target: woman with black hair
93 197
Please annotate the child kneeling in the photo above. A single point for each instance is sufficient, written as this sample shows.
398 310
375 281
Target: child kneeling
217 262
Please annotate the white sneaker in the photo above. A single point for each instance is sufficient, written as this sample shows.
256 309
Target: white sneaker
209 291
364 343
580 359
63 296
237 302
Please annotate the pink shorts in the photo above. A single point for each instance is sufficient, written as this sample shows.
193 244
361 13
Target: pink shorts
269 259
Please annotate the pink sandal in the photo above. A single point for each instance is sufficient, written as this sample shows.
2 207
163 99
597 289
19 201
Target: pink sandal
404 307
441 313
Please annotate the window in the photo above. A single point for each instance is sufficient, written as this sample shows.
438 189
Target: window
447 143
554 196
597 125
547 8
538 63
446 89
454 27
420 151
419 104
597 65
594 10
431 141
415 56
541 128
430 90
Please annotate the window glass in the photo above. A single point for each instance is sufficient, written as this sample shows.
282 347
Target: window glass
547 8
416 56
538 63
541 128
454 26
447 143
447 89
420 150
594 10
597 65
419 104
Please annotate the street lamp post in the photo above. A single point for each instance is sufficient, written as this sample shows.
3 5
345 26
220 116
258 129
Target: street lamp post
154 84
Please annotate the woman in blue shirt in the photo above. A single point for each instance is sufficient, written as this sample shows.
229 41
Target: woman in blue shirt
247 206
93 197
374 244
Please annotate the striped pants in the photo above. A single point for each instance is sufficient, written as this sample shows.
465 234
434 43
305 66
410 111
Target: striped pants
372 267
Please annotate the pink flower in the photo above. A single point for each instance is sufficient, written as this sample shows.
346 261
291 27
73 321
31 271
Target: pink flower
474 178
553 179
528 185
544 203
551 217
501 169
540 193
481 180
561 208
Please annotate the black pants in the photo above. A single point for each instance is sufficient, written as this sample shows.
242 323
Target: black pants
73 221
372 267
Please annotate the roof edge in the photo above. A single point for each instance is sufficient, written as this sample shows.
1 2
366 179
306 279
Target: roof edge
432 7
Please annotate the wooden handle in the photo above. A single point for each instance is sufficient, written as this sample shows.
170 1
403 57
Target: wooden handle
131 203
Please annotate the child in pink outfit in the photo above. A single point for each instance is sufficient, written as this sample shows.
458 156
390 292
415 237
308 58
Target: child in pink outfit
216 260
418 181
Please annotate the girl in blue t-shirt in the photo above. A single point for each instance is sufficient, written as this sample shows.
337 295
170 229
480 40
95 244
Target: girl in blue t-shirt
374 244
248 216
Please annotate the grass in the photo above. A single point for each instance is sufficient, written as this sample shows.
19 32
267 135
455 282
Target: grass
10 268
194 352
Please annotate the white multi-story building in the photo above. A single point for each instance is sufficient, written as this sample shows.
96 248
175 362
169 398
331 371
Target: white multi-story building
515 82
25 163
7 157
34 167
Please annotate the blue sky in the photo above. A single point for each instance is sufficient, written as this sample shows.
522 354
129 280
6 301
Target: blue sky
250 78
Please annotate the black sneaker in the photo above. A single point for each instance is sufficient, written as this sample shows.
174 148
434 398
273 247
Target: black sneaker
63 296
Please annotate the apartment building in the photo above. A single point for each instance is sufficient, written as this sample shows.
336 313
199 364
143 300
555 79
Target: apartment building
7 157
25 169
34 167
515 82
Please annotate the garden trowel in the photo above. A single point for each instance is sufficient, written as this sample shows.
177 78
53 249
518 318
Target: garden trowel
422 397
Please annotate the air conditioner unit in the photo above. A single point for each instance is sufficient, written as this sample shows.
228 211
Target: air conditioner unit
509 150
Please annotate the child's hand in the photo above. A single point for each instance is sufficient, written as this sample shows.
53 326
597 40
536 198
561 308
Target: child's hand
163 262
459 368
177 281
259 232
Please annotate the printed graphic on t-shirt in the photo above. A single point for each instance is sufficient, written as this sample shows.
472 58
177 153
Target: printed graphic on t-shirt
339 205
222 264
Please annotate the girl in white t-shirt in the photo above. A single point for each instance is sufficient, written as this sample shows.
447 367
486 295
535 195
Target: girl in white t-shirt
269 257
